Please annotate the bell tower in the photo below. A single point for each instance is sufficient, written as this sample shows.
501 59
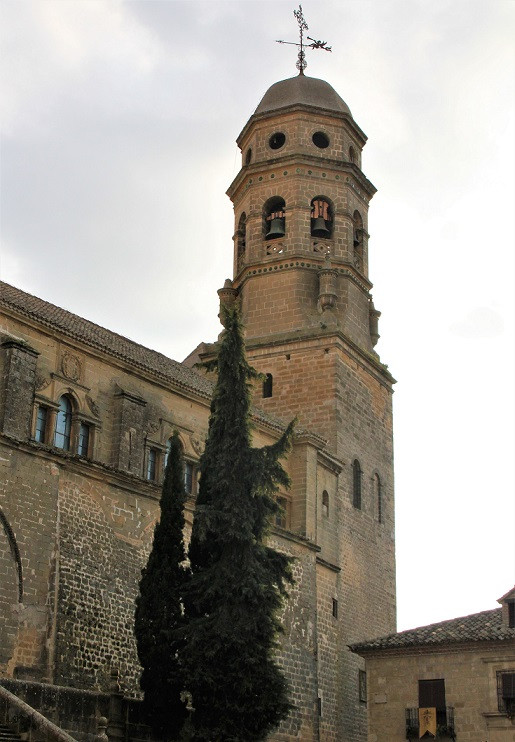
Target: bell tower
301 213
301 275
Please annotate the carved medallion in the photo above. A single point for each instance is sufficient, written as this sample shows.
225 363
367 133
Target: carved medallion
70 367
41 381
197 444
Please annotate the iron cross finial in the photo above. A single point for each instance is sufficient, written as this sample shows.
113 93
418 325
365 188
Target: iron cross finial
315 44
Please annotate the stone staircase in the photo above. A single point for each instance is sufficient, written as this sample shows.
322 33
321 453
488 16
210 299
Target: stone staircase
7 735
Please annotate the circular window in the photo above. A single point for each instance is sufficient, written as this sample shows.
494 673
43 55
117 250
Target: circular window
320 140
277 140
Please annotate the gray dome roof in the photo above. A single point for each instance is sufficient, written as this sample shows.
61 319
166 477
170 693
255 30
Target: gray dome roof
304 90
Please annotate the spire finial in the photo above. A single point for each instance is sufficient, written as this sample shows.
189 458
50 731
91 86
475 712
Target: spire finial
315 44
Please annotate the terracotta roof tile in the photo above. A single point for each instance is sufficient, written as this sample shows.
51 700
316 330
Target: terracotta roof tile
478 627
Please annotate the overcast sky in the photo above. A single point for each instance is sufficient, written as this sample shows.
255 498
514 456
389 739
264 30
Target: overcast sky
119 122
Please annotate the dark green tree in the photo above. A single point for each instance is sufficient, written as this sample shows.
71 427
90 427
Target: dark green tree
159 608
238 583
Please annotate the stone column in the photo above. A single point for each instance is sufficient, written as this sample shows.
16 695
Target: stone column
17 390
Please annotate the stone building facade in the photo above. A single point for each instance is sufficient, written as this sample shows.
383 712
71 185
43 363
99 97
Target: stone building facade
463 668
86 415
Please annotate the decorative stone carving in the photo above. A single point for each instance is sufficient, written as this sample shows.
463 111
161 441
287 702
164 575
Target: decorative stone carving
70 366
92 406
152 427
41 381
197 444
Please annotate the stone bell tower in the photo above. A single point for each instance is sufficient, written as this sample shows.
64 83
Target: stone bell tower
301 243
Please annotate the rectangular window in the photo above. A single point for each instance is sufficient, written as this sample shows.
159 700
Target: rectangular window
335 608
319 704
83 447
41 420
362 686
506 692
151 464
282 518
188 477
431 694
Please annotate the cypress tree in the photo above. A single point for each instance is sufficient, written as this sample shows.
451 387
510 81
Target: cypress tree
238 583
159 609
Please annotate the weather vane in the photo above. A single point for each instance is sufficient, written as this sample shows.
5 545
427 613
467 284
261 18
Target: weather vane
315 44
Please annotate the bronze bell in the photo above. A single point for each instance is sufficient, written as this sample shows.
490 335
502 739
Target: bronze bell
276 228
318 227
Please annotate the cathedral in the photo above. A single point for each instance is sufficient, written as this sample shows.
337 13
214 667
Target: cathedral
86 416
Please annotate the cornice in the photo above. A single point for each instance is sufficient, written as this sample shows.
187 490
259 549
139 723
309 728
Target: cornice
425 650
300 159
299 261
89 468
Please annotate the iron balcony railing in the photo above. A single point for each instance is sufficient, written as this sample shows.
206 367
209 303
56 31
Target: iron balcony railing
444 723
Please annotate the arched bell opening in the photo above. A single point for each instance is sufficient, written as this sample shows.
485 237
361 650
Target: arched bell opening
241 241
358 234
321 218
274 219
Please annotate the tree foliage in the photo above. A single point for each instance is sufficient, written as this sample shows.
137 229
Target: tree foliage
159 612
238 583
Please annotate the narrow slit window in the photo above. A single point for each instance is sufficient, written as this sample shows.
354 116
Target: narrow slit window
268 386
325 504
379 497
356 484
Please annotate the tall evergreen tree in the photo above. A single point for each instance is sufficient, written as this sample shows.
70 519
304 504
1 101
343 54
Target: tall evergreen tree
238 583
159 608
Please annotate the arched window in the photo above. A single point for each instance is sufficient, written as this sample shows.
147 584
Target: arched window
378 492
268 386
356 484
321 218
241 236
274 225
357 240
325 504
63 424
352 155
248 156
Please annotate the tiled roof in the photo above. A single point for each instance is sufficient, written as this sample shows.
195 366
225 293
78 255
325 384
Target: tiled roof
118 346
478 627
